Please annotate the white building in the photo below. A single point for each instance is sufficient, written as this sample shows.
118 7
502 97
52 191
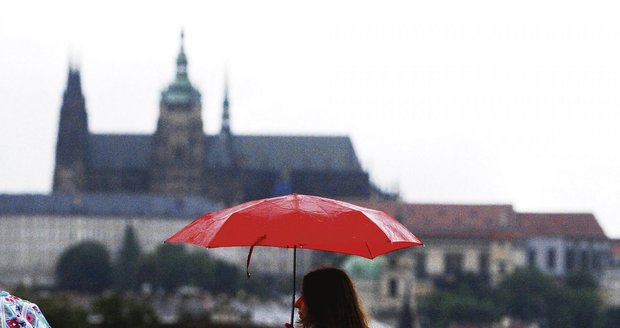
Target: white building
37 229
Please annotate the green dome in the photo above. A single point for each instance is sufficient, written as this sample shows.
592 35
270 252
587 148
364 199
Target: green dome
180 92
360 268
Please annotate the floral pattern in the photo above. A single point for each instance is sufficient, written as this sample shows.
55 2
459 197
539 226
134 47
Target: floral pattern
18 313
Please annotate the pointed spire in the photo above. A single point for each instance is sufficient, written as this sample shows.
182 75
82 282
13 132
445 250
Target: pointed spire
181 91
74 83
225 110
72 142
182 59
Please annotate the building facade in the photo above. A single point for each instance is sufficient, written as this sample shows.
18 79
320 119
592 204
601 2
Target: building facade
180 159
488 241
39 228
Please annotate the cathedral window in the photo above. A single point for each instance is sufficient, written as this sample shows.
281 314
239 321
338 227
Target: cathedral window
179 154
551 258
393 288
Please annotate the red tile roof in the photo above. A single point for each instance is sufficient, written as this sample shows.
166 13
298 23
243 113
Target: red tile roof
496 222
450 220
583 225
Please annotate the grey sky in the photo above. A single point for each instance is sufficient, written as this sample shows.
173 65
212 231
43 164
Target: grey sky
449 101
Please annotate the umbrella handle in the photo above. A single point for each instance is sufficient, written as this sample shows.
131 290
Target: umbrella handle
247 262
294 285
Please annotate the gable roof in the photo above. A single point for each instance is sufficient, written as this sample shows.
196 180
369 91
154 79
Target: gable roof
276 153
583 225
486 221
452 220
119 151
256 152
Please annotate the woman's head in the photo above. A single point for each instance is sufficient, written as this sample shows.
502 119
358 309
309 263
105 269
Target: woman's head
329 299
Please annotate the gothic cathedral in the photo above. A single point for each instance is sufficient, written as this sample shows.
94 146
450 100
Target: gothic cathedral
180 159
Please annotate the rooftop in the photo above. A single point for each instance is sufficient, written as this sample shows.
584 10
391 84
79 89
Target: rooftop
99 204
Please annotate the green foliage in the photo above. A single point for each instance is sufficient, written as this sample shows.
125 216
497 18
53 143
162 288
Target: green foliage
170 266
526 294
227 278
610 318
574 308
128 262
442 308
581 280
84 267
165 268
532 296
466 284
60 311
119 311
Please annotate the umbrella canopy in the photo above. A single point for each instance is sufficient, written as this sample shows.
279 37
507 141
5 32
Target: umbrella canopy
300 221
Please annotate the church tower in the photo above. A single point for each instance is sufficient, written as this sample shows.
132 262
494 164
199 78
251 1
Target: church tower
178 153
72 143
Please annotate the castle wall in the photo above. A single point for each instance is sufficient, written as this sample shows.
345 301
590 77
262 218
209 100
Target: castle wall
32 244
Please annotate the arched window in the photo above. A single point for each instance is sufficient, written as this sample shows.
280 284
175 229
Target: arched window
551 258
179 154
393 288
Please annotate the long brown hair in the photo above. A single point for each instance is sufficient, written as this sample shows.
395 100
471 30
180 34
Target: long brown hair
331 300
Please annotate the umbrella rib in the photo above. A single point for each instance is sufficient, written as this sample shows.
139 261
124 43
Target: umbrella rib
369 252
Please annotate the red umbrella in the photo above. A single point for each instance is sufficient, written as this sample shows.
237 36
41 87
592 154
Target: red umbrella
299 221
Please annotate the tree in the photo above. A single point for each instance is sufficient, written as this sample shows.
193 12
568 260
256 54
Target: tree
61 311
574 308
526 294
577 303
118 311
170 266
532 296
611 318
84 267
581 280
165 267
441 308
227 278
128 261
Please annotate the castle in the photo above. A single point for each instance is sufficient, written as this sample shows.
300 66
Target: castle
179 159
158 183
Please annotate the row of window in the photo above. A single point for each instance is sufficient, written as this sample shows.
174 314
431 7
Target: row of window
573 259
454 264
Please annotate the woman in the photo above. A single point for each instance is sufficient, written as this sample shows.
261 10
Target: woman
329 300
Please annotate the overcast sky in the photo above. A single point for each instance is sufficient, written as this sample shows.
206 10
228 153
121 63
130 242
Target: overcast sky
447 101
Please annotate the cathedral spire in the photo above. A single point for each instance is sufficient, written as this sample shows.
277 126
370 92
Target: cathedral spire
181 92
225 111
182 59
72 141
